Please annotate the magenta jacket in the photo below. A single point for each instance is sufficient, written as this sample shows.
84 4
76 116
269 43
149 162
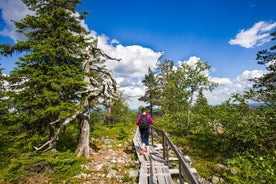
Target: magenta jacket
148 117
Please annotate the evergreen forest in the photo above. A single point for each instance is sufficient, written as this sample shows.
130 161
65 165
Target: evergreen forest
61 107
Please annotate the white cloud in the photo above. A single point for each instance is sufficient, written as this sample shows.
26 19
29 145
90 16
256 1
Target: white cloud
12 10
226 87
192 62
15 10
131 70
135 59
255 36
221 81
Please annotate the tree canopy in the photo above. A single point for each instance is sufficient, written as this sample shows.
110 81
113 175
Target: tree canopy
61 71
264 86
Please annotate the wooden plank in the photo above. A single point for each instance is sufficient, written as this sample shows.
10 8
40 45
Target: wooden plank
153 169
168 177
173 159
174 171
157 172
143 177
160 175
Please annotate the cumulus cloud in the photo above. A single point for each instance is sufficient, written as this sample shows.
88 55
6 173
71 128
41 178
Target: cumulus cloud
255 36
135 59
131 70
15 10
221 81
192 62
226 87
12 10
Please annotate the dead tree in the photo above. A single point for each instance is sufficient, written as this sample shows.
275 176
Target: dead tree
101 88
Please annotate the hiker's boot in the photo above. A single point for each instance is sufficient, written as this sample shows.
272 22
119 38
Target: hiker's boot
143 151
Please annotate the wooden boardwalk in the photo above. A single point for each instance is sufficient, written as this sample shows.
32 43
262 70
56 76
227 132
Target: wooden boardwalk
153 168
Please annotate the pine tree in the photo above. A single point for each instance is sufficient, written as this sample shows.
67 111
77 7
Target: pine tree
164 71
152 90
264 86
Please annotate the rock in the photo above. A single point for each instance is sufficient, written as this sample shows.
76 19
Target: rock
221 166
98 167
188 159
217 180
133 173
82 176
234 170
111 174
108 165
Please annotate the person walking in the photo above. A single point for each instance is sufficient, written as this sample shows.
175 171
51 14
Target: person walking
144 121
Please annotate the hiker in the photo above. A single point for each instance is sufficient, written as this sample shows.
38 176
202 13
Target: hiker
144 120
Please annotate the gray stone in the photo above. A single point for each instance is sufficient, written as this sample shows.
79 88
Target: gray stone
217 180
133 173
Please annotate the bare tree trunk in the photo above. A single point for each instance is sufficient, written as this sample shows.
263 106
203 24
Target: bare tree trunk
83 148
53 143
189 113
100 90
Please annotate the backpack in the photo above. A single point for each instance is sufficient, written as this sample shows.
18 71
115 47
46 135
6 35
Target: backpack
144 122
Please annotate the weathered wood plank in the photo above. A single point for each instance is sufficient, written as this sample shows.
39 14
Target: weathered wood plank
168 178
160 175
174 171
153 169
143 175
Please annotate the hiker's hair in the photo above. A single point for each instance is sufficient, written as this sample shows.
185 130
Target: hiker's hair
143 110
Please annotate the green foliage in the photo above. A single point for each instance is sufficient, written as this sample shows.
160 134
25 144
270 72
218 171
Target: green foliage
247 128
119 112
241 165
115 167
201 115
178 89
127 178
264 86
19 163
49 73
174 124
119 131
174 97
55 166
122 134
95 118
234 135
68 138
258 168
152 93
120 128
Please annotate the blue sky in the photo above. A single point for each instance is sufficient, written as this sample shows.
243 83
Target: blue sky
225 33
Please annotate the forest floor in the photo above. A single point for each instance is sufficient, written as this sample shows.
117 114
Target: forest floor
111 162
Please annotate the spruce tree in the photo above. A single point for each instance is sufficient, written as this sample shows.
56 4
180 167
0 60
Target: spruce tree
48 75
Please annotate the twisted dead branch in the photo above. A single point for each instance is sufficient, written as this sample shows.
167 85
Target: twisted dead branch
100 89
